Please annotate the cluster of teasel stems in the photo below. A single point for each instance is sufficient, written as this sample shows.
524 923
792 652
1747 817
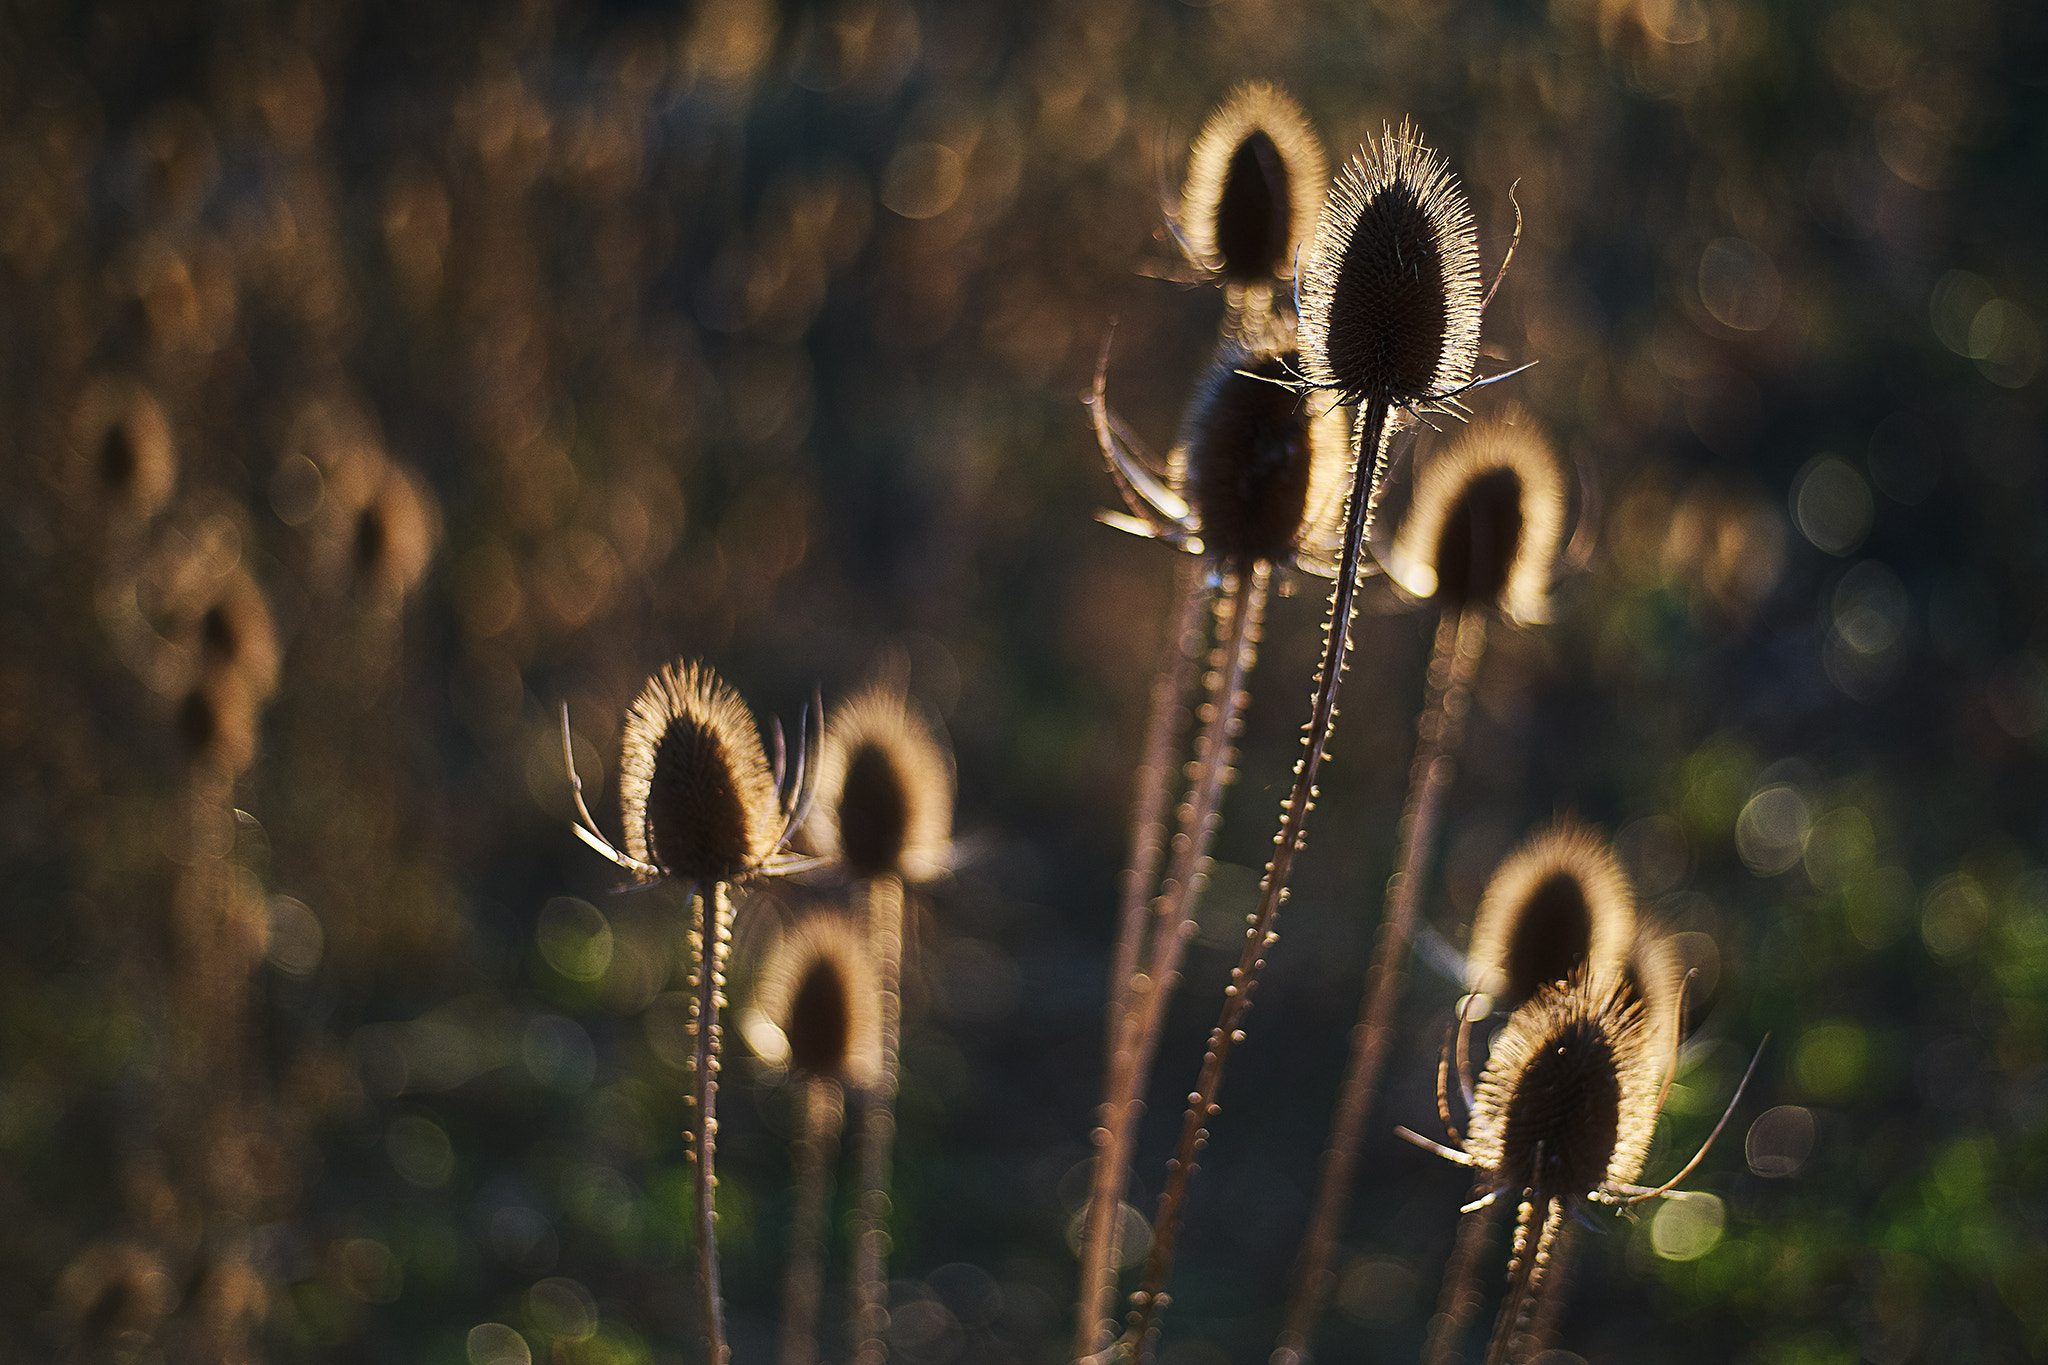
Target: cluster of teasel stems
702 806
1389 305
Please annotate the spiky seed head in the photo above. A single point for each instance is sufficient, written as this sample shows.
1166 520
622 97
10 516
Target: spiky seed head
1484 527
1557 906
122 444
818 1007
1254 183
698 799
1262 471
884 803
1390 285
1567 1104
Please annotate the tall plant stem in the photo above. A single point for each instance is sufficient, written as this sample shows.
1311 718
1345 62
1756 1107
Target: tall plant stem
712 930
817 1154
1536 1230
1460 1296
1244 978
1460 644
878 1130
1136 1026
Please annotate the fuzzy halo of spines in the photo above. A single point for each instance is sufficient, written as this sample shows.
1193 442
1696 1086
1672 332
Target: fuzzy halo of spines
884 804
831 1029
1389 289
1572 1070
1520 589
698 799
1251 109
1263 470
1526 883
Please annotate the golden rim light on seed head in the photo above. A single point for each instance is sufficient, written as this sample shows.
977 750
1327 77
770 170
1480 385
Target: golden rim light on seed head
884 802
1486 522
1254 185
1558 906
697 796
1567 1105
1389 292
817 1009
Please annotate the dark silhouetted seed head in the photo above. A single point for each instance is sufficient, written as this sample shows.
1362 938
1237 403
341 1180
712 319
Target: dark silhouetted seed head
1568 1102
1256 466
884 801
230 632
1255 180
698 798
818 1007
1484 526
1557 907
1390 284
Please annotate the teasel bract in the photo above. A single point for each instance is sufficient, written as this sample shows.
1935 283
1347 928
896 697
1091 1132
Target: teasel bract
818 1012
1389 306
885 814
702 806
1255 482
1480 538
1255 179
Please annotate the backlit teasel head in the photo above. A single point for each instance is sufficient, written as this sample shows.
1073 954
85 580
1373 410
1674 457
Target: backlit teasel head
1260 470
817 1008
1654 975
698 798
885 788
1568 1102
1558 907
1255 182
1389 288
1485 524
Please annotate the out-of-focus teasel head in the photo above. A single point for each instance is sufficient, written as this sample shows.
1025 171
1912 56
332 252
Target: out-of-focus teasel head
698 798
1486 523
817 1009
1255 181
1654 975
377 527
113 1294
1568 1102
216 719
224 625
123 460
885 790
1259 472
1560 906
1389 288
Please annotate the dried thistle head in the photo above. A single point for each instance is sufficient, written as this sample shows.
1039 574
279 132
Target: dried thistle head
121 443
1263 474
818 1008
1485 524
1389 289
698 799
1557 907
884 790
1254 184
1567 1105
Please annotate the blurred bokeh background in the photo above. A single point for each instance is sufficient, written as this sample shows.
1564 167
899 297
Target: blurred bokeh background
374 378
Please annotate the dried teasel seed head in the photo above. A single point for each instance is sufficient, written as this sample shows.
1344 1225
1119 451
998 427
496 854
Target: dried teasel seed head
1485 524
1558 906
228 630
884 803
1567 1104
216 720
818 1007
1390 286
698 799
1654 976
121 441
114 1291
1254 184
378 525
1262 471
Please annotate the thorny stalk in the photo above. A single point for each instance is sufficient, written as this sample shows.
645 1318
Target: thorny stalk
878 1129
711 932
1360 505
1136 1026
817 1153
1460 645
1526 1275
1459 1299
